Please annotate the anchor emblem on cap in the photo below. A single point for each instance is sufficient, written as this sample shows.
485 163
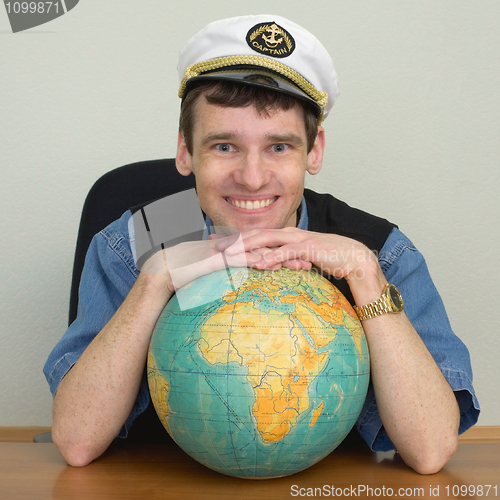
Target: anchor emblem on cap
271 40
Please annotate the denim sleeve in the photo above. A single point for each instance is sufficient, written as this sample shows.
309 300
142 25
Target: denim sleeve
107 277
404 266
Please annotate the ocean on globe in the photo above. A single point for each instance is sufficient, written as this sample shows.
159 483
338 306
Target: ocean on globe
263 379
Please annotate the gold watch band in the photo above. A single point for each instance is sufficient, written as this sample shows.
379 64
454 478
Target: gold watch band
390 302
380 306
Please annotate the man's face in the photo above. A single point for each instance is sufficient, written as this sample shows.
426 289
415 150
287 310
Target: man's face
249 168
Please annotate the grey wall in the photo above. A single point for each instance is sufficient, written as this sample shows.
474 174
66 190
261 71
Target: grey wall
413 138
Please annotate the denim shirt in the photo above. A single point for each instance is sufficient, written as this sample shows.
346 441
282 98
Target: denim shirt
110 272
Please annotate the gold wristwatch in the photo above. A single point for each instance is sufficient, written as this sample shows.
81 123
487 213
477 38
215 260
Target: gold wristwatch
390 302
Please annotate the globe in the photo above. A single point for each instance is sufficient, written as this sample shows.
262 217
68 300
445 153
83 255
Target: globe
259 374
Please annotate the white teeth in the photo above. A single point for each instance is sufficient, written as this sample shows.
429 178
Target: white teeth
251 205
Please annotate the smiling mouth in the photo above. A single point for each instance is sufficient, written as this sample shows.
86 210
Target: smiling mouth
251 204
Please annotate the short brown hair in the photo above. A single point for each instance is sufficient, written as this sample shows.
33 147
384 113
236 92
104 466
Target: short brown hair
232 94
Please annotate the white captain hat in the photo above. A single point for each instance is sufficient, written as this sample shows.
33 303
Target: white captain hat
263 50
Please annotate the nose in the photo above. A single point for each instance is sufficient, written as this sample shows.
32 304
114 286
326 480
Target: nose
252 172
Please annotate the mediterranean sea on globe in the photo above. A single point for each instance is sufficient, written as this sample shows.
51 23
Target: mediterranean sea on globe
264 375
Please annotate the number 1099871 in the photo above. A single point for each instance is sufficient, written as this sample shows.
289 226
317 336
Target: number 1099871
32 7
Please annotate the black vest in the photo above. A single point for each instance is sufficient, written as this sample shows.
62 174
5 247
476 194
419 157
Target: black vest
326 215
329 215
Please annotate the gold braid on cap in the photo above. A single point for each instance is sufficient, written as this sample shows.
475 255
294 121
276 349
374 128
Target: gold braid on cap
197 69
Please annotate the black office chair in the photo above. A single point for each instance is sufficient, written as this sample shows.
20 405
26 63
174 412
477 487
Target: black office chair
110 196
113 194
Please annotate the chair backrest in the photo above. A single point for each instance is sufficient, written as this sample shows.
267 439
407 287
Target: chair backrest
113 194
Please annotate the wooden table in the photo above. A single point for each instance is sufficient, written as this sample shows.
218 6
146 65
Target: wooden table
38 472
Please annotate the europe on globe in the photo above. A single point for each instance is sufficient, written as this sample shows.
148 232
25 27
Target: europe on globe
258 374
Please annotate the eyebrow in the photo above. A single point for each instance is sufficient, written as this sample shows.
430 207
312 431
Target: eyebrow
287 138
219 136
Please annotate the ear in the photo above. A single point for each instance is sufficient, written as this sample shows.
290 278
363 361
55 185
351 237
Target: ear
183 160
315 156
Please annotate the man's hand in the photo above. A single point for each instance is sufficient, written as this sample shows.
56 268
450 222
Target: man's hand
294 248
187 261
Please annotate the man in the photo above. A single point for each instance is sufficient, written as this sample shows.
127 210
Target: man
255 90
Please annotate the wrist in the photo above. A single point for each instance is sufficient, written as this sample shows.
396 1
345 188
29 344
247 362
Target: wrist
367 281
155 287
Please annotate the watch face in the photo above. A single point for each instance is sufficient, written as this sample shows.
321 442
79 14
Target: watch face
396 298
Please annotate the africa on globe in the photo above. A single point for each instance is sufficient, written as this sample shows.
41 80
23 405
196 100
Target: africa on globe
264 379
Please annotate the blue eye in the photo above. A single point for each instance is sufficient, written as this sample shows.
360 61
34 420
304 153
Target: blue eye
224 148
279 148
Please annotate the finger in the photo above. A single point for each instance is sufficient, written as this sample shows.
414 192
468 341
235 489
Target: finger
262 267
241 260
294 264
270 238
222 242
297 264
262 252
286 253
